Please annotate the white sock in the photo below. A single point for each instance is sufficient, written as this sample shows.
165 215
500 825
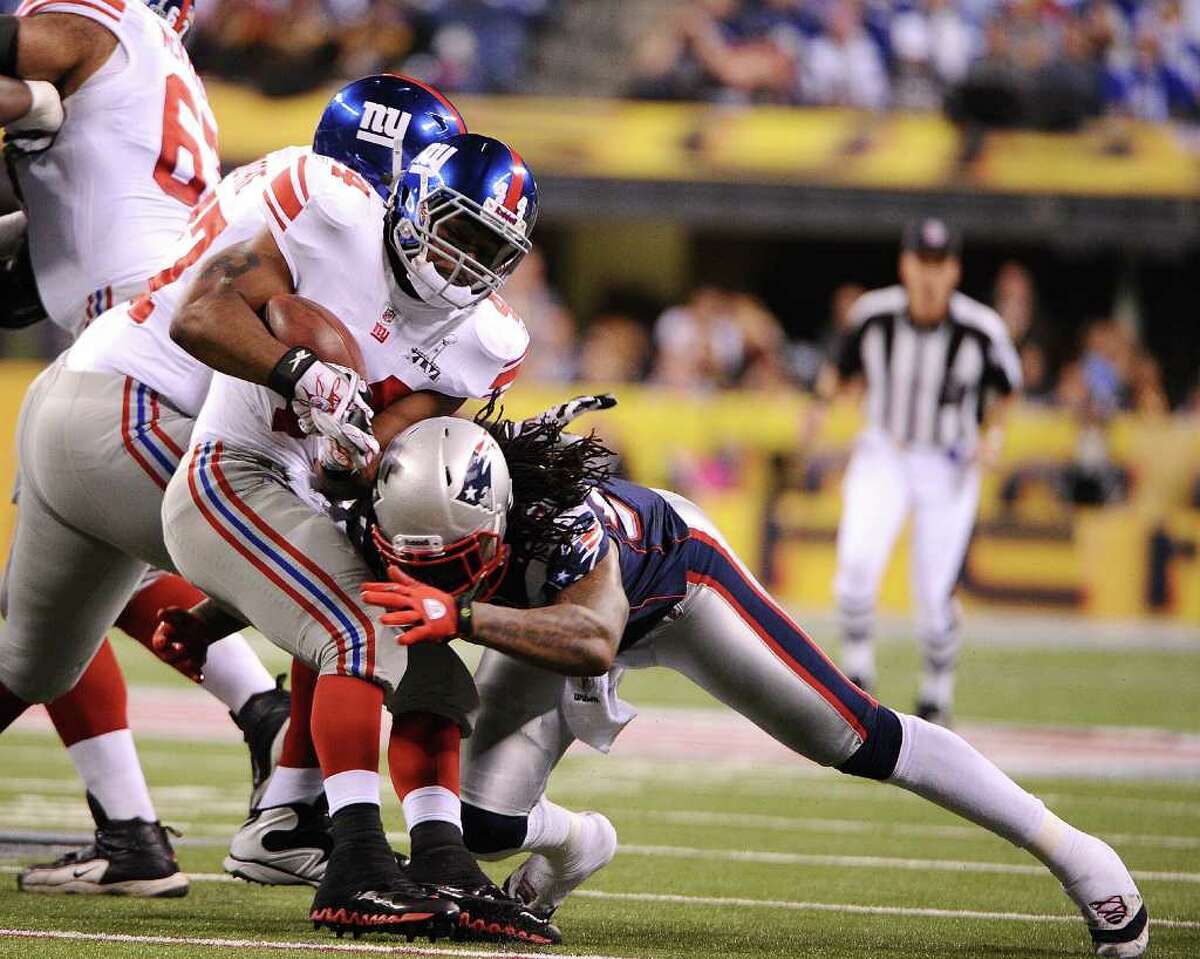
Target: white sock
292 785
352 786
944 768
109 767
430 804
937 687
549 827
233 673
858 659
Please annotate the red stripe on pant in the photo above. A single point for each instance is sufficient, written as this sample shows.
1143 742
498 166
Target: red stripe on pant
302 601
302 561
127 436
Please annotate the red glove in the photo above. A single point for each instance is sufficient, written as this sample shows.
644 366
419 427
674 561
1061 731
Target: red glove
429 614
182 640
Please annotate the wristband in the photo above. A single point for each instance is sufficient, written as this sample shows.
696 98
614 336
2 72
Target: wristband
466 616
290 370
45 113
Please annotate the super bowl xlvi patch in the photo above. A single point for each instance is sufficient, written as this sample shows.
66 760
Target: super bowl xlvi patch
477 481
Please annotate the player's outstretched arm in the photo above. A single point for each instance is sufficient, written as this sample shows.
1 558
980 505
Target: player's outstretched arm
54 48
219 322
577 636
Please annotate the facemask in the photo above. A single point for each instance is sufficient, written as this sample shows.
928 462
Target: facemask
432 287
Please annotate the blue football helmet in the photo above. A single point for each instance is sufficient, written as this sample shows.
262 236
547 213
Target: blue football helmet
376 125
459 219
178 13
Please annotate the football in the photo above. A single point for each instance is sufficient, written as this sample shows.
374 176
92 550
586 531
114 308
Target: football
298 321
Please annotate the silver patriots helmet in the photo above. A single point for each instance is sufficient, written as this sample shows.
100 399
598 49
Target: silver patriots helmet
441 501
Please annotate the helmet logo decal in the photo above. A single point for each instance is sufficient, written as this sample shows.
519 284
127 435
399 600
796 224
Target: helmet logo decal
477 481
382 125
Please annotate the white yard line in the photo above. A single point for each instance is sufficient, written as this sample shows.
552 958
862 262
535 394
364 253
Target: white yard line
331 945
855 908
868 862
723 821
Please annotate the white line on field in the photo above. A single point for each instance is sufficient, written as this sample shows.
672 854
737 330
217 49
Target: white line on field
854 908
867 862
283 946
692 817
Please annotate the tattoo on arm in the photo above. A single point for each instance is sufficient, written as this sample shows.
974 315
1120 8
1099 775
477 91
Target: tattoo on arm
228 266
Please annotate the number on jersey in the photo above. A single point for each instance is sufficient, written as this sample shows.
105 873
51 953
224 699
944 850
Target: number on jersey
189 145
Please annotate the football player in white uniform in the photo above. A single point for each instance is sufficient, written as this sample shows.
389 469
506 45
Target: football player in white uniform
592 575
243 520
111 143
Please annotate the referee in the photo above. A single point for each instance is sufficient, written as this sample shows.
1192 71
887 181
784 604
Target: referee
939 371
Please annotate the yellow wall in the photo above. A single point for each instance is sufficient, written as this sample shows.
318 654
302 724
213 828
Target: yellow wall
1089 561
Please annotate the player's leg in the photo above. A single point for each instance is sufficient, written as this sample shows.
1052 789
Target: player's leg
519 738
233 673
286 841
238 533
875 501
131 854
735 641
62 590
946 499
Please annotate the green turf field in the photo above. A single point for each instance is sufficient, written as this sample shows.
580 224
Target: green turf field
719 858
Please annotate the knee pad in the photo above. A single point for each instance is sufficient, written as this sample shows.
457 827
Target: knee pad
876 758
486 833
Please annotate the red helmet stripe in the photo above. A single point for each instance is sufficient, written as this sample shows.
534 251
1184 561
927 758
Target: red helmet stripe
517 184
438 95
181 20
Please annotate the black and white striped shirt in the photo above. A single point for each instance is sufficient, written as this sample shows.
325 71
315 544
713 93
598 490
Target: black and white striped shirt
928 386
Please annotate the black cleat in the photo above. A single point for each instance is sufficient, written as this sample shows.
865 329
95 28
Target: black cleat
129 857
487 915
933 713
405 909
263 721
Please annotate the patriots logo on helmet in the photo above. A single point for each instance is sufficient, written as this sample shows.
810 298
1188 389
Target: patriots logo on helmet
477 481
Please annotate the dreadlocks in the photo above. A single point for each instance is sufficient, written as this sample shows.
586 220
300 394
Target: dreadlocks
550 476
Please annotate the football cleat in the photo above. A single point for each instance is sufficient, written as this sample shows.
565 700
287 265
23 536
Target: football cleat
263 722
933 713
283 846
486 914
128 857
404 909
1119 926
542 883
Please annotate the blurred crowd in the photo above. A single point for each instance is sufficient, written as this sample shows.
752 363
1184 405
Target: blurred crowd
291 46
1044 63
725 339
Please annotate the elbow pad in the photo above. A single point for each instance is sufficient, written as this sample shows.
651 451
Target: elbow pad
9 26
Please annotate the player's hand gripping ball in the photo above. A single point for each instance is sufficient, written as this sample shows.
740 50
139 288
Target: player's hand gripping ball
424 613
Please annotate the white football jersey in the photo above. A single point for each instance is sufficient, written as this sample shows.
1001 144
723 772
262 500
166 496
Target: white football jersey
134 338
328 224
136 152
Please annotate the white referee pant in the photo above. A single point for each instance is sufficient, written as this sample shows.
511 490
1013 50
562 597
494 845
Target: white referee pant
886 483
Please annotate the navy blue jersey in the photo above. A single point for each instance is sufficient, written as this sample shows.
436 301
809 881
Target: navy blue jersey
650 539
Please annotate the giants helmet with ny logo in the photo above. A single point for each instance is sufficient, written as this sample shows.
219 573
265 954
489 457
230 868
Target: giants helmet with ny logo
459 220
377 124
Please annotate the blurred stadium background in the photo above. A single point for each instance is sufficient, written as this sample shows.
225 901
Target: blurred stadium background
720 178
